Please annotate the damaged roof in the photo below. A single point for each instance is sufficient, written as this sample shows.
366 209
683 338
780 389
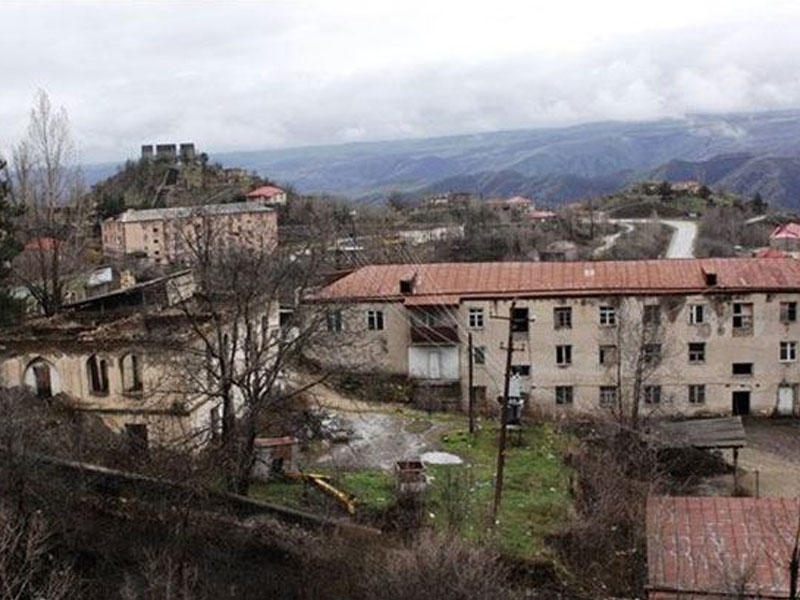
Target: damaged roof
543 279
709 546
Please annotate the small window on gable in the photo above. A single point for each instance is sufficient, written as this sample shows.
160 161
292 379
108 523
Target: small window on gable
97 374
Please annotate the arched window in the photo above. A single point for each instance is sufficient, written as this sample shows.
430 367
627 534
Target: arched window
42 378
97 373
131 371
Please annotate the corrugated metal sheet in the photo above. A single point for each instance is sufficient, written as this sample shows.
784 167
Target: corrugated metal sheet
530 279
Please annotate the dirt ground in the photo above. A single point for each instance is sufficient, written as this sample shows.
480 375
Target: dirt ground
378 434
773 450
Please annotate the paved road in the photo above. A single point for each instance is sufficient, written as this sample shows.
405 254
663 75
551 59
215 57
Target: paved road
680 246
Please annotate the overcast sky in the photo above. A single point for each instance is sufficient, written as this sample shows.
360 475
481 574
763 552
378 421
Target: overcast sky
239 76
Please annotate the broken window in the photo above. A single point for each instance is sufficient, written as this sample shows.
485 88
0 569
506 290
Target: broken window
651 314
97 373
697 352
476 318
519 320
697 314
563 355
521 370
608 355
742 317
131 374
608 316
651 353
375 320
608 395
562 317
697 394
479 355
563 394
334 320
788 312
788 351
742 369
652 394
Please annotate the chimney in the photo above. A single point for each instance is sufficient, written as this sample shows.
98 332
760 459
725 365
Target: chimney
710 277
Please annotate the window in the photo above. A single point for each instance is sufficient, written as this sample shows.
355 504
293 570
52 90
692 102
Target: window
742 317
652 394
608 355
519 320
651 353
651 314
788 312
788 351
563 355
697 394
479 355
562 317
97 373
697 315
375 320
697 352
131 374
334 320
521 370
742 369
608 316
608 395
476 318
563 394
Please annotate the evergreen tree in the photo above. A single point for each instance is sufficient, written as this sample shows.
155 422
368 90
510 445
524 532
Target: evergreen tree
10 307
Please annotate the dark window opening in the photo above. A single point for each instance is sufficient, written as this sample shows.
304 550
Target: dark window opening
519 320
97 371
742 369
521 370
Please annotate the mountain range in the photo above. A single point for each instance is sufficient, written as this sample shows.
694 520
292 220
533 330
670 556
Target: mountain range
742 152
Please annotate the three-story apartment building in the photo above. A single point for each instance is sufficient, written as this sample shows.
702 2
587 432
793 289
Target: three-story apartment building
693 336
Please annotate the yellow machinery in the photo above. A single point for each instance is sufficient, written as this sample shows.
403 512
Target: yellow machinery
321 482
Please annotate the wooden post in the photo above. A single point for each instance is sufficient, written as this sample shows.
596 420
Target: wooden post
735 470
471 387
501 445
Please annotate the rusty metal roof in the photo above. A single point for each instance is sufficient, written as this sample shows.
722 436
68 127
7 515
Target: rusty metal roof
532 279
706 546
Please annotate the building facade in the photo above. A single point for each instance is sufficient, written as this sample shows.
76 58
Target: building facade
694 336
166 235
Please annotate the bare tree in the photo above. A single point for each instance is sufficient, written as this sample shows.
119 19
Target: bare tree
47 183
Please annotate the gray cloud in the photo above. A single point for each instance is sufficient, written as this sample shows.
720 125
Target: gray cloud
250 76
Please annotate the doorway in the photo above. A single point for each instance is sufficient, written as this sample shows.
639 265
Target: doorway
740 403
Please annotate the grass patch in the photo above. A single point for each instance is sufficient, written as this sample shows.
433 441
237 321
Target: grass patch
535 494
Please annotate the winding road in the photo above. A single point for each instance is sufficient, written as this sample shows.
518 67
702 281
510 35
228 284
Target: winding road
680 246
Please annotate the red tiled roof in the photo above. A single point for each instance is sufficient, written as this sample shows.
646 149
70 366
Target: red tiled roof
788 230
542 279
702 545
770 253
265 191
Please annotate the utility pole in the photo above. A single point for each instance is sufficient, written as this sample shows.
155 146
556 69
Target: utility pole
501 444
471 388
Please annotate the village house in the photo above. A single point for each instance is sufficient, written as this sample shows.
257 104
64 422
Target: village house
717 547
124 357
725 331
166 235
786 237
268 195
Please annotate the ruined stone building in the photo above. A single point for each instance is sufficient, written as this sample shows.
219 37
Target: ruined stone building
130 357
168 235
685 337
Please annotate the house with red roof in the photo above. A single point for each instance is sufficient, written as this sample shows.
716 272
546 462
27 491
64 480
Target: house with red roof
269 195
722 334
719 547
786 237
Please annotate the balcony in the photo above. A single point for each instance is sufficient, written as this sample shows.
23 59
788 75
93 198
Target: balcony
436 335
